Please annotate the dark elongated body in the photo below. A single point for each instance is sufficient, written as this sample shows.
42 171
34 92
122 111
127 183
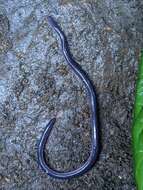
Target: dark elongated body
92 96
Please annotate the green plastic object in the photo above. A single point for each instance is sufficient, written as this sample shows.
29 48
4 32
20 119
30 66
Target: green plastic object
137 130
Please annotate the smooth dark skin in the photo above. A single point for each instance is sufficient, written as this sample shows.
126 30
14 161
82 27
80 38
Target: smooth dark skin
92 96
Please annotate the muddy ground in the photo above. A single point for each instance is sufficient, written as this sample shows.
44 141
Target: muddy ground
105 38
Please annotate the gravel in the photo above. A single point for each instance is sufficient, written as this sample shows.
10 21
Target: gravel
36 84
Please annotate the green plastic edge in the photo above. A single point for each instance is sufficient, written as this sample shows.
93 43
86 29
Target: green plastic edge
137 129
